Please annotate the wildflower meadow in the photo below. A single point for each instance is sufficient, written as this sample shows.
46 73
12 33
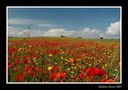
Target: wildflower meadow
45 59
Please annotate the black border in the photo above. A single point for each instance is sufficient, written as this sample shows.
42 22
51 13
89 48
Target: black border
5 3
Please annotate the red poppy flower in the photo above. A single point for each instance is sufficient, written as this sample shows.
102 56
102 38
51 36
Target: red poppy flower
37 68
101 72
32 72
47 63
63 75
25 61
110 80
53 68
9 57
91 71
37 75
84 69
52 76
24 57
81 75
18 61
27 69
14 69
9 65
57 75
102 80
17 57
19 77
95 71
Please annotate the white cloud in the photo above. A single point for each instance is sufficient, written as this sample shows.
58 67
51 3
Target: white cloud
101 34
15 33
36 23
12 32
110 32
54 32
114 28
86 32
90 31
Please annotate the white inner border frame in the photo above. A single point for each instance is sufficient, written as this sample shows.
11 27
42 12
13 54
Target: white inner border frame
120 7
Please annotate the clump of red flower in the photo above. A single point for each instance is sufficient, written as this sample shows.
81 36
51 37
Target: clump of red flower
57 75
37 68
27 69
95 71
19 77
108 80
18 61
9 65
81 75
24 59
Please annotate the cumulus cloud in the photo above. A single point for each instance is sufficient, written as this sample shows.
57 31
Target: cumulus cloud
58 32
110 32
12 32
90 31
55 32
86 32
114 28
101 34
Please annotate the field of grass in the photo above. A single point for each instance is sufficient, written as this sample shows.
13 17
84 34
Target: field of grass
63 60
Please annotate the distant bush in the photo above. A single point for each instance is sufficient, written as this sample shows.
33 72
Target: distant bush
101 37
80 37
62 36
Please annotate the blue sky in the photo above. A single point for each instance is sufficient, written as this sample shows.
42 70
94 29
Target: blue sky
94 22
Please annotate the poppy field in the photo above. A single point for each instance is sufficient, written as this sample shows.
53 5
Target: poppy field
45 59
